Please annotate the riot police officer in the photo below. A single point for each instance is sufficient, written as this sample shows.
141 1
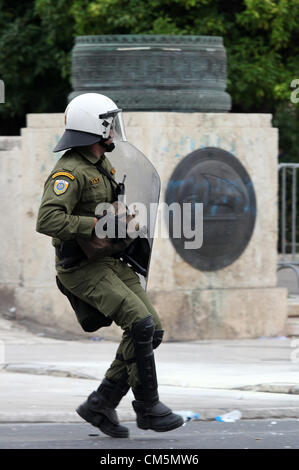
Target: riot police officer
102 288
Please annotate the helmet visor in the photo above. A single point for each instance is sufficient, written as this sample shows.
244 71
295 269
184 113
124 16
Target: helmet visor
109 114
118 128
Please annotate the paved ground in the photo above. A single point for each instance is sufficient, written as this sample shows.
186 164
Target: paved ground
44 379
246 434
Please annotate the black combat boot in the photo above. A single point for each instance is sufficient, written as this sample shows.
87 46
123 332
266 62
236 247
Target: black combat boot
151 413
99 408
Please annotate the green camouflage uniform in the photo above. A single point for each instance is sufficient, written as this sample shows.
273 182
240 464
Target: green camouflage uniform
71 194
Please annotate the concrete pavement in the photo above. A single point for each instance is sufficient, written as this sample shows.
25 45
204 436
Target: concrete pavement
43 379
199 435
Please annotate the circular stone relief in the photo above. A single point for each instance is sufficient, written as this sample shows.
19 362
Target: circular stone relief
217 179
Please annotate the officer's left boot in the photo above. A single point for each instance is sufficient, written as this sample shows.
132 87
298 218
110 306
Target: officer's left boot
151 412
99 408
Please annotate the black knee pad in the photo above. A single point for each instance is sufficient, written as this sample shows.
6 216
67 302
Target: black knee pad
142 334
143 330
157 338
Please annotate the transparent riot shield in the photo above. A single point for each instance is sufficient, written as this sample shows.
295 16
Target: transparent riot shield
142 192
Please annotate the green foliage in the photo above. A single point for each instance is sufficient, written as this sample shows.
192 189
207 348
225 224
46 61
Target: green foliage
31 66
287 118
58 29
260 36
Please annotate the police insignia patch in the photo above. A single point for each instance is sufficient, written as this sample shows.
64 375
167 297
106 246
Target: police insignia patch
60 187
94 180
63 173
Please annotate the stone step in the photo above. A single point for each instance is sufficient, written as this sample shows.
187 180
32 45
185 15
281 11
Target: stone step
292 323
9 142
293 306
292 326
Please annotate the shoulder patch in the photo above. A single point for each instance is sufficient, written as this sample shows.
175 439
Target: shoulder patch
63 173
60 187
112 171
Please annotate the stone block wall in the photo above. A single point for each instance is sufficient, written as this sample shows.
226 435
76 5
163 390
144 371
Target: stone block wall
239 301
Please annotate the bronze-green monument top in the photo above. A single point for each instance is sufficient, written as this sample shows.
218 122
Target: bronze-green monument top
153 73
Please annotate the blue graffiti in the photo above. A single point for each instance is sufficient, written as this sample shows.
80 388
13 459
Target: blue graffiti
233 148
175 184
213 210
166 149
192 145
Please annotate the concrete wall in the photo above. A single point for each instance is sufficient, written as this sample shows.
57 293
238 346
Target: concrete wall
241 300
11 223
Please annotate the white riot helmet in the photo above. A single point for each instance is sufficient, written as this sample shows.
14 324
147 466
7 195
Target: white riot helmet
88 119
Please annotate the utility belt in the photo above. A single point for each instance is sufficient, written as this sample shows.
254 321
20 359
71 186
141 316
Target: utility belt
69 254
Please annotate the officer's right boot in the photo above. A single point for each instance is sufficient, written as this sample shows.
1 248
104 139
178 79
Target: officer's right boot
151 413
99 408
